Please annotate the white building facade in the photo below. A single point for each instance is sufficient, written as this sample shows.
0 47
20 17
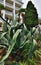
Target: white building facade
11 6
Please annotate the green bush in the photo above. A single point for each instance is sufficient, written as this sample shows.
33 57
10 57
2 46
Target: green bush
20 43
31 15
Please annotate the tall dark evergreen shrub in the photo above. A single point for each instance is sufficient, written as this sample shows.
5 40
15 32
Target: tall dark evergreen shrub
31 15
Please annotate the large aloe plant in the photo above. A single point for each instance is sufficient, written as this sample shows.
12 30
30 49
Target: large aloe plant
19 43
7 42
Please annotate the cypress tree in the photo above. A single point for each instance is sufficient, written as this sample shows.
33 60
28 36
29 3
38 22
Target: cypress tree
31 16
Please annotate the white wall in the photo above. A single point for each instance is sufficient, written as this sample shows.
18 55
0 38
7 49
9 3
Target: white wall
37 4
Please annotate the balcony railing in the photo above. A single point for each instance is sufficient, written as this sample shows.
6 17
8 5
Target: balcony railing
6 4
19 3
8 13
9 5
17 0
16 8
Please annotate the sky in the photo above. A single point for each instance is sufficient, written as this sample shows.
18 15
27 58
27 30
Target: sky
37 4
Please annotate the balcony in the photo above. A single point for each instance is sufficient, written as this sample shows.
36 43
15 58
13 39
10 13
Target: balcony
18 3
17 0
16 8
9 5
8 13
10 1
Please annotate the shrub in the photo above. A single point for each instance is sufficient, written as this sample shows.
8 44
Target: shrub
31 15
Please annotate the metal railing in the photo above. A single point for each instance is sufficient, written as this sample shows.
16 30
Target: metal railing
6 4
8 12
17 8
9 5
18 2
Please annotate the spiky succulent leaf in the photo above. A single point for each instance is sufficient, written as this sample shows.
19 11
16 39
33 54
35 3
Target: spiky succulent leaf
13 41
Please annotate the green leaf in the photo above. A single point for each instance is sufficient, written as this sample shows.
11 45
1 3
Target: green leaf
11 46
2 63
2 35
32 48
14 63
